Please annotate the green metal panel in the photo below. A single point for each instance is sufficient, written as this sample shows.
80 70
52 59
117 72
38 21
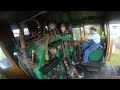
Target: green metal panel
66 37
54 38
67 51
39 48
58 54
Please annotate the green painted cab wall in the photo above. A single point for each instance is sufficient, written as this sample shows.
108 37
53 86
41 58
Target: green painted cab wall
39 48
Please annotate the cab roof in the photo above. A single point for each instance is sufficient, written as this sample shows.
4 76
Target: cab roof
19 16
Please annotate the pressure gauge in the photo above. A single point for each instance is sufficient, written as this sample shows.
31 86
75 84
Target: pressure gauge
46 27
52 26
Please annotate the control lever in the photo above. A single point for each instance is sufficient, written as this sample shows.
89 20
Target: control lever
32 64
33 55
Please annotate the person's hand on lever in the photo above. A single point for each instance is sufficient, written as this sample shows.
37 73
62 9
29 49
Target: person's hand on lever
84 39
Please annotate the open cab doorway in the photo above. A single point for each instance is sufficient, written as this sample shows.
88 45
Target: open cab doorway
114 60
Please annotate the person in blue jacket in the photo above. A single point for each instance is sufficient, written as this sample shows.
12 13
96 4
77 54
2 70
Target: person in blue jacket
93 44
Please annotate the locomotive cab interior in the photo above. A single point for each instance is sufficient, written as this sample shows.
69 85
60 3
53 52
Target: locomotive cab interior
45 52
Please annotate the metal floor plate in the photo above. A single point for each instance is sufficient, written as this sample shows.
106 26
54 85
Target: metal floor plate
106 72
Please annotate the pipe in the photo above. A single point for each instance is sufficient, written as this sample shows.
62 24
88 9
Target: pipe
46 46
22 40
33 55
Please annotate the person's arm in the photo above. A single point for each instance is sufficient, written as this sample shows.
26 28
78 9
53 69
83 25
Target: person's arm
90 37
84 38
87 38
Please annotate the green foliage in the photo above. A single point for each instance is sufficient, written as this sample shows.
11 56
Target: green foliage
98 28
76 33
115 58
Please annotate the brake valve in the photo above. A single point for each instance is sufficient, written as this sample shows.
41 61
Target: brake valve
58 69
75 52
53 77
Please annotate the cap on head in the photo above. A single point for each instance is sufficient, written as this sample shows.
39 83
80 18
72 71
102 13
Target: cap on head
92 28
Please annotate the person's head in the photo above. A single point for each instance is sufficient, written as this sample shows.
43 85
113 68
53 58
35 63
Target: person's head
52 27
63 28
92 30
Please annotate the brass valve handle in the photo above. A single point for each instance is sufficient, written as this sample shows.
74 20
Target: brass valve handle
33 55
46 51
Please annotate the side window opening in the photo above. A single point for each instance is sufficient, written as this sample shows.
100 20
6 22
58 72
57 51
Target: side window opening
87 29
76 33
4 62
16 32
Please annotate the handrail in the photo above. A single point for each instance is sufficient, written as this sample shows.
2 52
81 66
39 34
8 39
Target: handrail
108 43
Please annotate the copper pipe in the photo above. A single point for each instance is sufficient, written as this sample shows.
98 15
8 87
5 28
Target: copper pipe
46 51
33 55
22 40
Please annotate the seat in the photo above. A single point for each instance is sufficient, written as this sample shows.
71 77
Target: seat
97 55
